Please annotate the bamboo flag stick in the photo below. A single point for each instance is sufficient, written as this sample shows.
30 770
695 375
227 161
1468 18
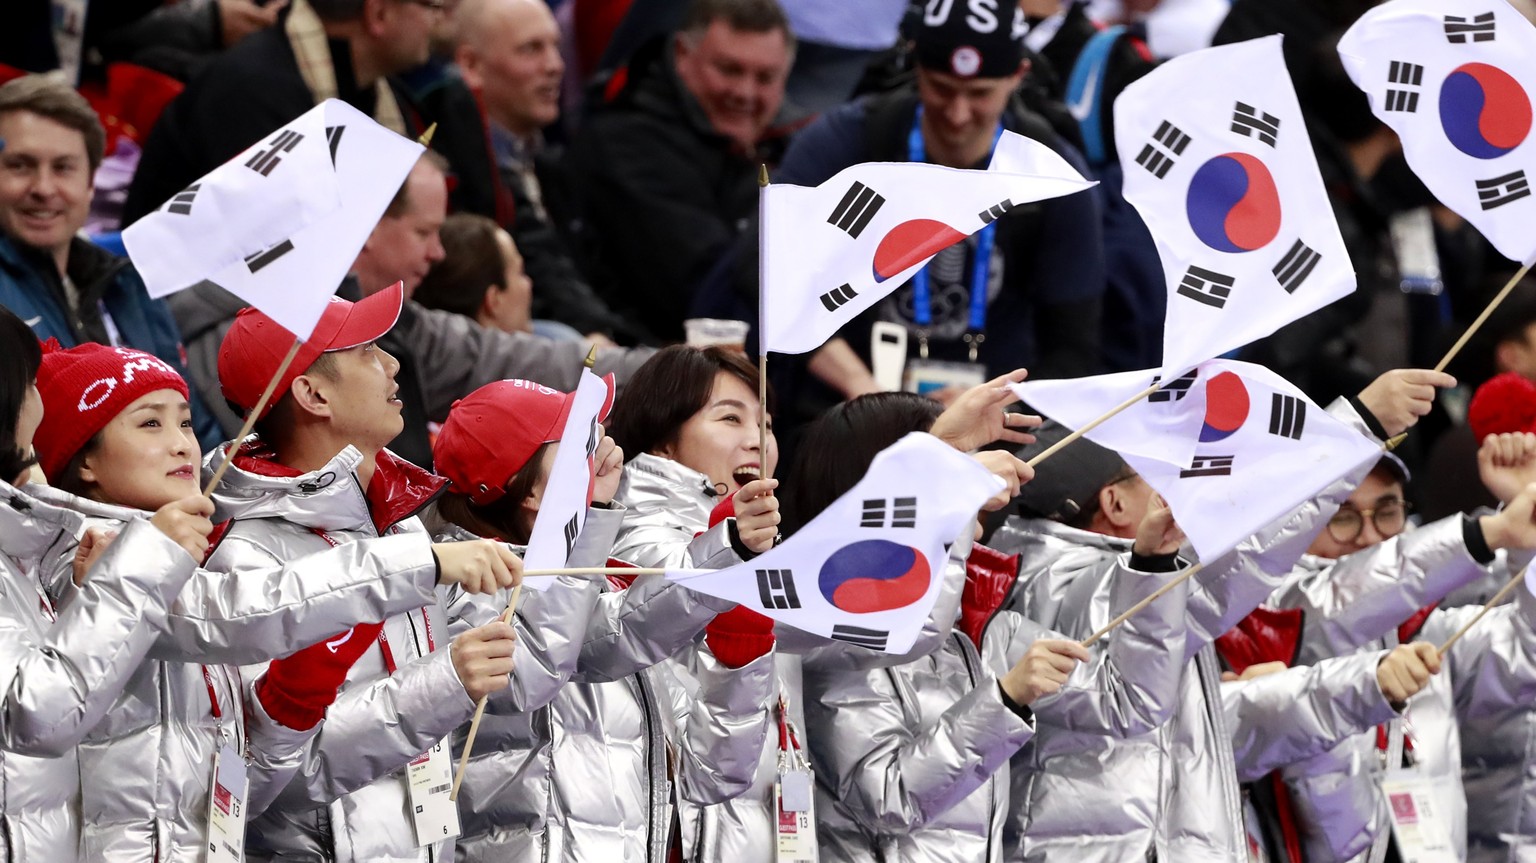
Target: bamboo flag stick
1497 598
250 418
1493 304
1130 612
1051 450
762 353
474 724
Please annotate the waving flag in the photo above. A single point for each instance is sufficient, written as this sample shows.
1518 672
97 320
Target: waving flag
1454 80
280 224
568 492
1262 449
831 251
1163 426
1217 161
867 570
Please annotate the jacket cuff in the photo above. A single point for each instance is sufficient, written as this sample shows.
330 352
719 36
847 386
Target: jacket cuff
1477 543
1020 710
1371 422
737 545
1154 562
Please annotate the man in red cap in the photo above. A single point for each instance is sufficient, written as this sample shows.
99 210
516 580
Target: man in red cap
317 475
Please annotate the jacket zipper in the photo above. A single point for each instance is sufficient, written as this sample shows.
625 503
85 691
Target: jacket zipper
967 651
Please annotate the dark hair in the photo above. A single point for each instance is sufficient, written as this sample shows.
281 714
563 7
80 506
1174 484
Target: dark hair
749 16
69 479
838 447
471 263
336 11
672 386
23 357
271 427
48 97
498 519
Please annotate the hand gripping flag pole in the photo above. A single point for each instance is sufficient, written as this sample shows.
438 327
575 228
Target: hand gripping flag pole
506 617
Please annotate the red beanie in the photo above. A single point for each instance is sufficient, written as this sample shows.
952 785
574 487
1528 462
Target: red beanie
1506 403
86 387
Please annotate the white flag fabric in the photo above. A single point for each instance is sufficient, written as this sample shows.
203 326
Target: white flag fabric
1263 448
831 251
279 225
1163 425
567 494
1454 80
1218 162
868 570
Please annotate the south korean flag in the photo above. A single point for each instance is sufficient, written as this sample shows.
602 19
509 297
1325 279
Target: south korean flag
868 570
568 492
1217 160
1454 79
1161 426
1262 448
280 224
831 251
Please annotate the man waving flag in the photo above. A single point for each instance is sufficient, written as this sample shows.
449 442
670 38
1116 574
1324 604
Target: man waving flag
831 251
869 568
1454 78
1218 162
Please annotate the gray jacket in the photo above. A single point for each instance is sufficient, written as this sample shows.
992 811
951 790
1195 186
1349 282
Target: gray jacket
908 756
454 355
164 724
61 671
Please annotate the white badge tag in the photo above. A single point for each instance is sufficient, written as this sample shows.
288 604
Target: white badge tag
226 807
430 778
796 798
930 376
1423 836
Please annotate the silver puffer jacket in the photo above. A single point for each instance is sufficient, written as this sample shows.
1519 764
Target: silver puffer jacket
669 508
907 756
1474 723
164 727
61 671
348 801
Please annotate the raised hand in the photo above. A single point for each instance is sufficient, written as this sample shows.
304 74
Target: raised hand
1506 463
186 522
1406 670
1042 670
757 514
90 549
608 469
1013 471
1398 398
1158 533
978 417
478 565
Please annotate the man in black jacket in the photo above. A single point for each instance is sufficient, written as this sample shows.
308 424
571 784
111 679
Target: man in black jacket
669 166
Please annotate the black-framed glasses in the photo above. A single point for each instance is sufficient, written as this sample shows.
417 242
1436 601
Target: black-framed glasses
1388 516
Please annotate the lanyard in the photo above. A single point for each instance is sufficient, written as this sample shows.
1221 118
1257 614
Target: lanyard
389 655
787 736
213 702
922 295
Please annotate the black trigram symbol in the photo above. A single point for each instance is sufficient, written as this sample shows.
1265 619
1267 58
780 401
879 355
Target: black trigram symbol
592 441
1206 286
1208 465
255 262
776 588
1296 266
903 512
838 297
857 207
1287 416
333 139
995 212
874 639
265 160
1501 190
1158 161
181 202
1250 122
1407 75
1175 389
571 531
1480 28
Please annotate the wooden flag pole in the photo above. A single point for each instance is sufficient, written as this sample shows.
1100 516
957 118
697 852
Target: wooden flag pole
1481 319
474 724
1051 450
250 418
762 353
1131 612
1497 598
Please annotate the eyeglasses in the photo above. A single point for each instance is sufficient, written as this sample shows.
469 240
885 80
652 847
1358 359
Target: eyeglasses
1389 517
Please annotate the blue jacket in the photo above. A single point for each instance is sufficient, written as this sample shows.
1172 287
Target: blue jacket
107 283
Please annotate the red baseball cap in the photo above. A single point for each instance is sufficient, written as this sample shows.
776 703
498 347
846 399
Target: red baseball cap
255 346
493 432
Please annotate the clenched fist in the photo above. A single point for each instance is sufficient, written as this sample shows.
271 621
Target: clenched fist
1042 670
483 658
186 522
478 566
757 514
1406 670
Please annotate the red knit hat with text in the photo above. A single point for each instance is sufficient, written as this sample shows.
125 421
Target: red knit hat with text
86 387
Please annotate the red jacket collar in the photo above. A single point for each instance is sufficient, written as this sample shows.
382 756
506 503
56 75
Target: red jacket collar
989 578
398 490
1265 635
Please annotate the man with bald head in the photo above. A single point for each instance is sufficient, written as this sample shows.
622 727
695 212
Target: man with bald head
508 52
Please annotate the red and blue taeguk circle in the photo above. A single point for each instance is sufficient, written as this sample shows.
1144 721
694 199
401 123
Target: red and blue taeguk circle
1226 407
874 575
1233 205
1484 111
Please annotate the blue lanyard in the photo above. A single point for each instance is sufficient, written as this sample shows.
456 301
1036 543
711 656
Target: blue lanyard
922 296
